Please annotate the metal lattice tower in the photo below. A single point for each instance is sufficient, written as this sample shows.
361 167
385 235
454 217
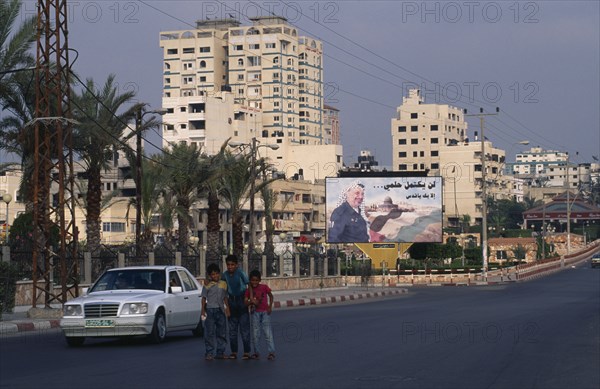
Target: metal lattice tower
53 193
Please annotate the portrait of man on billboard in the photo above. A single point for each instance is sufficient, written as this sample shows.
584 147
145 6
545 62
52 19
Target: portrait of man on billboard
384 209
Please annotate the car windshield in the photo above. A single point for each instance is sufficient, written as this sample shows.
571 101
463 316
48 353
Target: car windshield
131 279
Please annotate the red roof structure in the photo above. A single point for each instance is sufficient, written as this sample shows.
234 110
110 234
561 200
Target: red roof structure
557 210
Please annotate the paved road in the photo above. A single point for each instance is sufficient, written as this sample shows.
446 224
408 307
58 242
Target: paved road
544 333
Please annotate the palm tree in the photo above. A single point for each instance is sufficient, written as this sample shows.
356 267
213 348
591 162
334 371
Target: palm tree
14 47
532 202
182 168
150 189
213 188
236 190
16 136
96 138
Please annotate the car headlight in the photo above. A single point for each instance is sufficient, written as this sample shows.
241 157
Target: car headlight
72 310
134 309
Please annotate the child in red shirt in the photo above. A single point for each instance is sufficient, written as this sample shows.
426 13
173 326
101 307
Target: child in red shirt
259 299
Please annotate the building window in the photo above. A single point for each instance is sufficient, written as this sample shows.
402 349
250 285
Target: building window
415 166
254 46
270 45
414 141
401 141
434 127
435 153
113 227
415 154
402 166
188 50
202 64
240 77
402 129
253 61
241 62
414 115
435 166
171 51
205 49
414 128
402 154
421 154
434 140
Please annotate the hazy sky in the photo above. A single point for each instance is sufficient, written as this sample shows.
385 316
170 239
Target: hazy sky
536 60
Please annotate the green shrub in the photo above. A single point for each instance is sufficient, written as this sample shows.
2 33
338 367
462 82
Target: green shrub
8 287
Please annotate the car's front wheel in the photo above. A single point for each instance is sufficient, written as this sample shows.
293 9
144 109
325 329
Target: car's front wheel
159 329
75 341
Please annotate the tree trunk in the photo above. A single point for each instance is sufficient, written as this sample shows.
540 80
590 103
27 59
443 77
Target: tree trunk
213 228
94 200
238 234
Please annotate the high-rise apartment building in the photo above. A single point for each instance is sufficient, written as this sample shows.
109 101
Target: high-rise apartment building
462 173
420 130
332 125
549 168
223 80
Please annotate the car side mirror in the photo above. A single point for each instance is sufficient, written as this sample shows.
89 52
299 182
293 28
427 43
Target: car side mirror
84 290
176 289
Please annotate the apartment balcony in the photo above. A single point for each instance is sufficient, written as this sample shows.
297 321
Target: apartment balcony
288 225
197 115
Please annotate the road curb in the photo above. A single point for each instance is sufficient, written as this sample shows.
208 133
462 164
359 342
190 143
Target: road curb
18 326
334 299
13 327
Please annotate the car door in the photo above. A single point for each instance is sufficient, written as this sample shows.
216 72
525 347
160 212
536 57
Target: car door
177 303
192 299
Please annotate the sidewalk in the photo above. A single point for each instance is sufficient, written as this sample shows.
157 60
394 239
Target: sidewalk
17 321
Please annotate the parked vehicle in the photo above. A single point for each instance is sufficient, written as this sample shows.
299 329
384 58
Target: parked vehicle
145 300
596 260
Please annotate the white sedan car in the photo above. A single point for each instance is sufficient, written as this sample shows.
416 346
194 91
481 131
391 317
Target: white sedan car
145 300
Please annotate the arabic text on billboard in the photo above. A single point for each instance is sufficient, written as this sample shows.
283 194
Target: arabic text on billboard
384 209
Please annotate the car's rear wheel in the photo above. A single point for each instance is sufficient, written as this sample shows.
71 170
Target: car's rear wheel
75 341
159 329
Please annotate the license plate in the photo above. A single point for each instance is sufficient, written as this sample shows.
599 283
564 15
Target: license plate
99 323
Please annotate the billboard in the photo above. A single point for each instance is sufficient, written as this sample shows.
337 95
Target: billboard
383 209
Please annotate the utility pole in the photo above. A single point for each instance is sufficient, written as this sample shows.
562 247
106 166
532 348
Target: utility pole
138 180
252 225
53 159
484 252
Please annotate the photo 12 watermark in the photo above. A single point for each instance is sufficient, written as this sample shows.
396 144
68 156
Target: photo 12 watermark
468 332
325 12
116 12
470 12
469 92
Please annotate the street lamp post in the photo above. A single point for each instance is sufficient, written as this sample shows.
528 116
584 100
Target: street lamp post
254 146
568 207
7 198
482 116
139 114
